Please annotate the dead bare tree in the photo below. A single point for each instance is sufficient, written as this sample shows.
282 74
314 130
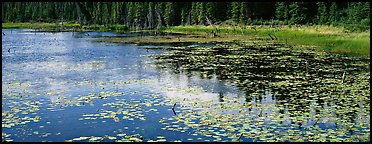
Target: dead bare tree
160 19
189 18
208 21
81 9
150 19
79 14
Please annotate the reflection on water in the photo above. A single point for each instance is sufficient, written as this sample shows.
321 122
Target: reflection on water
310 89
193 87
104 89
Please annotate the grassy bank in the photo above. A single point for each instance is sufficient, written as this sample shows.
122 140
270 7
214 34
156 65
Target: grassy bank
38 25
53 27
328 38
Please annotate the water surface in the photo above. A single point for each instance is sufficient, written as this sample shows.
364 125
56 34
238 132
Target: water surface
61 86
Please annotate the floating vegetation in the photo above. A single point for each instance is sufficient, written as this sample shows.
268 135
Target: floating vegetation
106 138
173 39
313 100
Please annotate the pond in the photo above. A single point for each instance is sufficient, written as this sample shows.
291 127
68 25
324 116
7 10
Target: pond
64 87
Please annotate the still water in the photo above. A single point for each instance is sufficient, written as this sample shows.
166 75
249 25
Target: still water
63 87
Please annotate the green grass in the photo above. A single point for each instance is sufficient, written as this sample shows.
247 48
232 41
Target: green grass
36 25
355 46
65 27
115 28
335 39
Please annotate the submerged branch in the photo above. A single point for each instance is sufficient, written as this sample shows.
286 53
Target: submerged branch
343 77
240 137
173 109
174 106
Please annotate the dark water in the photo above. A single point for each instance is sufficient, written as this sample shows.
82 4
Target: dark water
83 89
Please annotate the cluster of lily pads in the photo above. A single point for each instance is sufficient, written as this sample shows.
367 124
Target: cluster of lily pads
318 96
19 102
18 106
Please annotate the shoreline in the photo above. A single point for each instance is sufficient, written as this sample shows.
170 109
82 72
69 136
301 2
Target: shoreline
326 38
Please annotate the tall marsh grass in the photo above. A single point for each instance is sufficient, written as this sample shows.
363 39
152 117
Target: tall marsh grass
326 37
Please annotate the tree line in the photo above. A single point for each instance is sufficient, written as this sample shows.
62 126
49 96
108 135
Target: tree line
149 15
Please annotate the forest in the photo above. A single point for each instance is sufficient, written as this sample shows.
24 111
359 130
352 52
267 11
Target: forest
149 15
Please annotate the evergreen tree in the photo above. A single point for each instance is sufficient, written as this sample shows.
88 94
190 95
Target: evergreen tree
114 13
131 13
151 15
137 14
366 12
20 9
282 11
297 12
198 11
142 15
105 13
242 16
183 16
123 13
235 11
169 12
333 13
99 13
354 13
201 13
322 13
210 9
194 13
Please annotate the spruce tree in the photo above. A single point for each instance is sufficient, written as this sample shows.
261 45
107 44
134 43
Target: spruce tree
333 13
282 11
297 13
322 13
235 11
